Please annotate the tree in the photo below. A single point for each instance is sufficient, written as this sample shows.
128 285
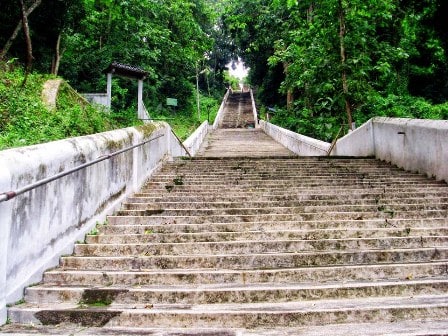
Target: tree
24 13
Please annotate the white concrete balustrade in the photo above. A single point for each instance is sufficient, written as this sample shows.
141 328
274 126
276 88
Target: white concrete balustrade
412 144
39 226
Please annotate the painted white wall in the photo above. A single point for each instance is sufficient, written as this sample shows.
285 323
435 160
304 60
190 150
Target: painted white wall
296 143
254 109
39 226
356 143
195 140
220 113
97 98
412 144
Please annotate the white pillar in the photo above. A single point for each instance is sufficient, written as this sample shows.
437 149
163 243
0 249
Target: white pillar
109 90
140 112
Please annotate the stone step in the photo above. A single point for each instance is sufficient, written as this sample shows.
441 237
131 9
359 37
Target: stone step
254 315
232 293
142 225
199 208
148 203
287 175
258 247
295 191
255 261
151 236
398 183
291 163
155 217
407 197
188 276
428 327
279 190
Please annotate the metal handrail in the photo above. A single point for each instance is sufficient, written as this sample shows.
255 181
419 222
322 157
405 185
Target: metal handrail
11 194
181 143
333 143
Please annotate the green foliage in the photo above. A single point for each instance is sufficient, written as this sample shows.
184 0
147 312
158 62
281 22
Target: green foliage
166 38
25 120
394 64
184 124
232 81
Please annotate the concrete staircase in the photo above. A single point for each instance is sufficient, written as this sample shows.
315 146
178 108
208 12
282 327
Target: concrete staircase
257 242
260 243
238 111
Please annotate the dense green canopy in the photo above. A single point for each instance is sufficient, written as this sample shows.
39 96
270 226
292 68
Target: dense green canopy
321 63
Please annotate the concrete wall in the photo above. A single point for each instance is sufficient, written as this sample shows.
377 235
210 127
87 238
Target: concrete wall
357 143
98 98
411 144
220 113
195 140
297 143
254 109
39 226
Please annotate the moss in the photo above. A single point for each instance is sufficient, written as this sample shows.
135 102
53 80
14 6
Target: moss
113 145
99 297
147 129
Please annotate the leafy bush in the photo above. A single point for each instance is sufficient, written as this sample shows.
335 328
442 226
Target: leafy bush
25 120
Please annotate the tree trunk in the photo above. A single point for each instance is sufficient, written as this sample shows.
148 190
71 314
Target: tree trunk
307 100
57 57
342 30
289 93
19 26
29 47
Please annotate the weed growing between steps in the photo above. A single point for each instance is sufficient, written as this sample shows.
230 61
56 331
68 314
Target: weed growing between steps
178 181
92 297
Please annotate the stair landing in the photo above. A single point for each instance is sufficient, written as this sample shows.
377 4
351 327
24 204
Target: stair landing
241 142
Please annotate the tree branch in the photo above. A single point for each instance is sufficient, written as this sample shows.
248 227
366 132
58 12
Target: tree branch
16 31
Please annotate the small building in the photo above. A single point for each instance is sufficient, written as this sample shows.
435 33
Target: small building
123 70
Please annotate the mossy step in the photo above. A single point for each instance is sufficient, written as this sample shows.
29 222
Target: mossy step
256 247
142 203
286 190
430 197
151 236
231 293
256 261
293 183
142 225
155 217
397 328
256 315
187 276
275 208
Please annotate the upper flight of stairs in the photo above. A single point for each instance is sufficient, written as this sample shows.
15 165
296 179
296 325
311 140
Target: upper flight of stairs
248 239
238 111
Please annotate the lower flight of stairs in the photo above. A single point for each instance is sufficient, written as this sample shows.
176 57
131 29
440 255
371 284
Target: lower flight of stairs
261 244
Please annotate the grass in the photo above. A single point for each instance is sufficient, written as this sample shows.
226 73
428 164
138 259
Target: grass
25 120
184 124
